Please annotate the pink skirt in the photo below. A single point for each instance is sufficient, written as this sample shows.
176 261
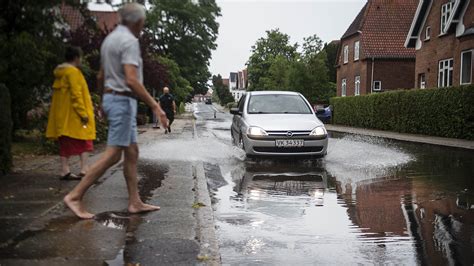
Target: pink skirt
69 146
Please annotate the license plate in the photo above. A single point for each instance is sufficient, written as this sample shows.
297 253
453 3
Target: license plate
289 143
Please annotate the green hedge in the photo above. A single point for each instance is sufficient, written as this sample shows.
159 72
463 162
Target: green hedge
5 130
444 112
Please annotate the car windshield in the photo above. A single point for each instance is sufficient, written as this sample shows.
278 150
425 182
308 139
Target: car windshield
278 104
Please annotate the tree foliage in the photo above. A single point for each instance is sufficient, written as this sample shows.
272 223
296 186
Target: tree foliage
30 46
221 90
185 31
276 64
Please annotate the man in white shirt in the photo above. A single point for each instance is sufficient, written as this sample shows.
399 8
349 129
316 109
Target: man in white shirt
121 75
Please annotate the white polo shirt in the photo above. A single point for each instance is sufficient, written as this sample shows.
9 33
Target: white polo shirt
120 47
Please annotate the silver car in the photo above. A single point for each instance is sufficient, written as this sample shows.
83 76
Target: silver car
277 123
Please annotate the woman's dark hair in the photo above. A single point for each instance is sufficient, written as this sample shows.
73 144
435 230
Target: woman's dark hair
72 52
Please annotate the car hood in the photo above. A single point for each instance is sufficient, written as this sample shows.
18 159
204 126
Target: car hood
272 122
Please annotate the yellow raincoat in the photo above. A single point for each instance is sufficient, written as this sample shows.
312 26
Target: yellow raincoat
71 101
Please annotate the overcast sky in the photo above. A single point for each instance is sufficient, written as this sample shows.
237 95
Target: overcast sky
244 21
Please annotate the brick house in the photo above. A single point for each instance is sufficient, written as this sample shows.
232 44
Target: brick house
372 56
106 20
442 32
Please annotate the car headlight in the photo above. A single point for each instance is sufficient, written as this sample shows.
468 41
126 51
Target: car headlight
256 132
319 132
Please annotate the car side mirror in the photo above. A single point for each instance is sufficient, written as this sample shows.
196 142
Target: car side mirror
235 111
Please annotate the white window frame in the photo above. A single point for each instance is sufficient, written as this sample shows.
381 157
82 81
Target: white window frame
374 88
422 77
446 10
462 64
356 50
445 72
344 87
346 54
427 33
357 86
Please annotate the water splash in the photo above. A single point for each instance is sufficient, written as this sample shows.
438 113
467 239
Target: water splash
354 158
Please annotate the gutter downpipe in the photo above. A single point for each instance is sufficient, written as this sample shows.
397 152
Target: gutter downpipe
372 77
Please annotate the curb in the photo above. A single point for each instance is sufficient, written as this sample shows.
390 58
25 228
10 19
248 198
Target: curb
206 231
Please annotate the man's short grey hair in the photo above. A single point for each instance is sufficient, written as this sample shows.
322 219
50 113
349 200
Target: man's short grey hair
132 13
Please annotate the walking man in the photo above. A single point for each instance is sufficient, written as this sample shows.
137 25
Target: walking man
168 105
121 76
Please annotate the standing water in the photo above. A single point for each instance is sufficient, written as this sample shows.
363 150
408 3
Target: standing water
370 201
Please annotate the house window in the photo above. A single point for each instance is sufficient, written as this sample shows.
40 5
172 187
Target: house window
377 86
346 54
427 33
445 73
356 50
357 86
422 81
466 67
446 10
343 87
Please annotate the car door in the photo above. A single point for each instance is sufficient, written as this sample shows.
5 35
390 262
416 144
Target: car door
237 120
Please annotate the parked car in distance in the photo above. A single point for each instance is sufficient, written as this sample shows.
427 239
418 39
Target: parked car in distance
208 101
278 123
323 112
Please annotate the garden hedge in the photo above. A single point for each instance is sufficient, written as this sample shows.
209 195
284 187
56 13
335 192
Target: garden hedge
5 130
444 112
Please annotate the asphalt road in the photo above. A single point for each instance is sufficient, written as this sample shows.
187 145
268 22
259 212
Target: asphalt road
370 201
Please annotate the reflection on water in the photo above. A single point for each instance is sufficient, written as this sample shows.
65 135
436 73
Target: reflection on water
368 202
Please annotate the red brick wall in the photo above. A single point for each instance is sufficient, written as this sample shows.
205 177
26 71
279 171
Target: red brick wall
352 68
395 73
441 47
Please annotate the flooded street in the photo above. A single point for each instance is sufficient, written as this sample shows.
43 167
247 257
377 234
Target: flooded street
369 201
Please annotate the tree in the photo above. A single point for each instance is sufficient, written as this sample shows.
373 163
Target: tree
5 130
31 44
331 54
264 52
179 86
312 45
185 31
221 90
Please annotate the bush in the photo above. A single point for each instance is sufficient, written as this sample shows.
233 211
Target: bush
444 112
5 130
181 108
231 105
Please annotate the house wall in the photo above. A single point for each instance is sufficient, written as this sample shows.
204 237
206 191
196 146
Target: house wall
352 69
441 47
393 73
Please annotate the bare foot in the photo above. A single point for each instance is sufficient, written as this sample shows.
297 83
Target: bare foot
142 207
77 208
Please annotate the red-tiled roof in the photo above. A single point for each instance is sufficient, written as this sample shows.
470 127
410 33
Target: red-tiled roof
73 17
356 25
225 82
384 26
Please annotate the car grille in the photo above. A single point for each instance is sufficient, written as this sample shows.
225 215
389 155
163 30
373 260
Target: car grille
283 133
288 149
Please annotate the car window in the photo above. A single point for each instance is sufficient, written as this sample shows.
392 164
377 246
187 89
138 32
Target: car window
241 104
278 104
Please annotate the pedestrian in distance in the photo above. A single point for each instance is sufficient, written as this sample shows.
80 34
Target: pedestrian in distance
121 77
71 114
168 105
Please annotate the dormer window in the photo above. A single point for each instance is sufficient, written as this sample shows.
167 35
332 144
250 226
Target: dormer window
446 10
427 33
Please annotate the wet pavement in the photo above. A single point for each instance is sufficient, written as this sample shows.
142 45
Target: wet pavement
370 201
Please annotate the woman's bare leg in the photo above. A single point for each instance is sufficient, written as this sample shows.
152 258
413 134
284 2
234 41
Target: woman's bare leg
74 198
84 166
64 166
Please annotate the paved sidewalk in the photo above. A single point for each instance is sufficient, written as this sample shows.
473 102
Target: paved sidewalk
37 228
448 142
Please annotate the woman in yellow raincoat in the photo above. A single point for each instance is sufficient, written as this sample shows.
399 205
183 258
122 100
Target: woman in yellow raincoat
71 115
